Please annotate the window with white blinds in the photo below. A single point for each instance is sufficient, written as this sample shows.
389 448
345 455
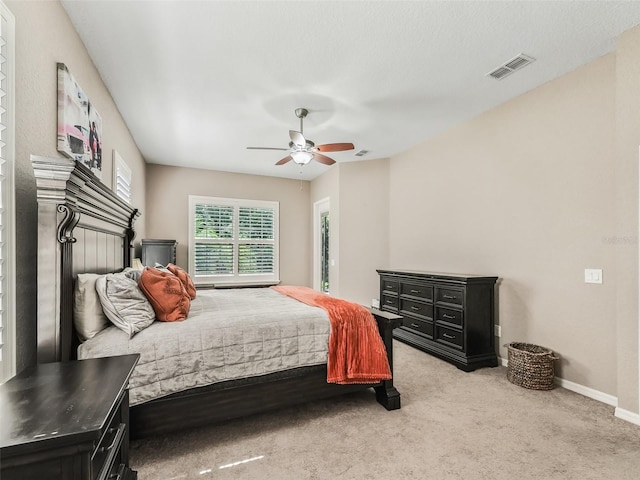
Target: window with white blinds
7 218
233 241
121 178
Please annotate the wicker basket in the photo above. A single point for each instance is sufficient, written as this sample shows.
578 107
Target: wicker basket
530 366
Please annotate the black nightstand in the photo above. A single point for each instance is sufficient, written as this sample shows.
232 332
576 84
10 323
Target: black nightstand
67 421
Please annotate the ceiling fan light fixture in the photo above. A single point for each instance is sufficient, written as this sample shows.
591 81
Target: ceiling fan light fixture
301 157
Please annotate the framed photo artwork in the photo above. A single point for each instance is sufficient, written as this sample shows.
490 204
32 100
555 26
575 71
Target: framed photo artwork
79 123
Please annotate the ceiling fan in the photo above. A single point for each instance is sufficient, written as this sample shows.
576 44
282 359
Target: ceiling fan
303 150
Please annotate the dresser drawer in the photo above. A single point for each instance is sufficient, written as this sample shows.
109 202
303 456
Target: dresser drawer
450 315
420 291
416 308
389 302
450 336
449 295
418 325
389 285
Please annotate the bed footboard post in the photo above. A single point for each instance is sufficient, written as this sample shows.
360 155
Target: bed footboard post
386 394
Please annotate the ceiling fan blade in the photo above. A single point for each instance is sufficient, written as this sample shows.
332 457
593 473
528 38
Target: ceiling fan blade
318 157
297 138
335 147
266 148
285 160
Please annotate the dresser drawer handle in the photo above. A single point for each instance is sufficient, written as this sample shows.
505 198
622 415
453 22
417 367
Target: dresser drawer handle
389 287
415 326
115 441
451 317
114 476
415 291
446 335
413 307
113 450
449 297
388 301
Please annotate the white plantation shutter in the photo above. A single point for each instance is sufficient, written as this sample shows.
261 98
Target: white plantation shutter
255 240
233 241
7 221
121 178
214 240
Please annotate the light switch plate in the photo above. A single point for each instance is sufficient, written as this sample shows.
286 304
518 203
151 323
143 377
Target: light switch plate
592 275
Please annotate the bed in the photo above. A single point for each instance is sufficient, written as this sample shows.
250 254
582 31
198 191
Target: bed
84 228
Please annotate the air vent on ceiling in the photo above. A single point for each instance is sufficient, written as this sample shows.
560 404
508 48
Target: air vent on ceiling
511 66
361 153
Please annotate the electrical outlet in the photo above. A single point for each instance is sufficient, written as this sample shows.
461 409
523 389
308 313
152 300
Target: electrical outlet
497 330
375 303
592 275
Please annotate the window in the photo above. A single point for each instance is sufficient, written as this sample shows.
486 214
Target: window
324 254
121 178
7 218
233 241
321 251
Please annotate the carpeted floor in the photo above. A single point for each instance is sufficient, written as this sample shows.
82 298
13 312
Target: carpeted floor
452 425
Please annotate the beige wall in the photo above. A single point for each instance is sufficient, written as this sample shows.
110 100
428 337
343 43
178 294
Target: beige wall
364 232
626 201
167 206
45 36
525 191
359 242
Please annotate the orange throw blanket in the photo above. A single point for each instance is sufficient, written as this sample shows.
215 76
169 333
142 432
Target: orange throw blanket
356 351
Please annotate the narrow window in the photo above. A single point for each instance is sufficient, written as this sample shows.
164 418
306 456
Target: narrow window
324 260
121 178
321 250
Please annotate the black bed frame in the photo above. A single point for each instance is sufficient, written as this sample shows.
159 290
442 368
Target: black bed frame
84 227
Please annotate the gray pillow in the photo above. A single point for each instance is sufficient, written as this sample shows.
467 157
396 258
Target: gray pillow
124 303
133 274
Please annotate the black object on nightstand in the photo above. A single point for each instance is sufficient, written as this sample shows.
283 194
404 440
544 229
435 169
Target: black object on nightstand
67 421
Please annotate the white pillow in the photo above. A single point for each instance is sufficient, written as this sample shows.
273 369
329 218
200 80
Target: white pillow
88 317
124 303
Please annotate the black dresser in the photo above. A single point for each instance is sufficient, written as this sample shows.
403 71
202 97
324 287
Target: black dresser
450 316
67 421
158 251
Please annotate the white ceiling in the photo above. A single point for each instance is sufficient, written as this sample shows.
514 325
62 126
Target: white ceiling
198 81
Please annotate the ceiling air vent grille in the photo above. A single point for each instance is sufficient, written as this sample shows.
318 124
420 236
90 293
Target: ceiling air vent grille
361 153
511 66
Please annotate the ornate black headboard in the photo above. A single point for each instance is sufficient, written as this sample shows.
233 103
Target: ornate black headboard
82 227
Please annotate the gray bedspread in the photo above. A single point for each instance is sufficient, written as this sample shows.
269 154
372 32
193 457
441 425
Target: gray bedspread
229 334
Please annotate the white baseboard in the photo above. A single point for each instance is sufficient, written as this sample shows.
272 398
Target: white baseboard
587 392
590 393
627 415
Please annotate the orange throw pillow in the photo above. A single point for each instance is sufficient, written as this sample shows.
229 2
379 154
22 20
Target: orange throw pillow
184 278
166 293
